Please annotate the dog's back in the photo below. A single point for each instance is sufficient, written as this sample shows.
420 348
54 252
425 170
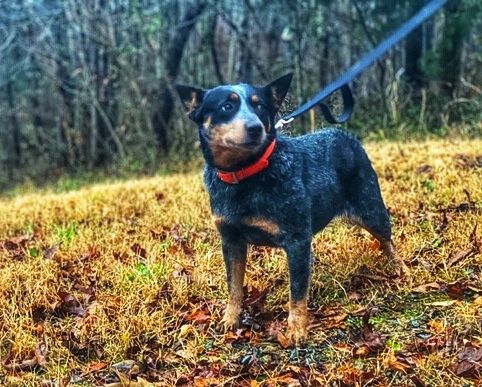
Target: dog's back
335 166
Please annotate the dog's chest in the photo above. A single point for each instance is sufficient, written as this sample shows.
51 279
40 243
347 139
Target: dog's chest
256 230
248 215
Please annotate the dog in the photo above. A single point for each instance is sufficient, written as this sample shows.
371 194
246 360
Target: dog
278 191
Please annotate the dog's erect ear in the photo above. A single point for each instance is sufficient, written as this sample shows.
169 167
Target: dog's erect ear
276 90
191 98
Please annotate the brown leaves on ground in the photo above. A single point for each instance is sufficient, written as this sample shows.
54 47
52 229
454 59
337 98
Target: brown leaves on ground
17 247
182 243
468 162
136 297
137 249
35 360
277 330
469 363
369 341
457 290
460 255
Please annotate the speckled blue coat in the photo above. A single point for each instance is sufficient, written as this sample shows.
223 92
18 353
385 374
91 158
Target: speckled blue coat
310 180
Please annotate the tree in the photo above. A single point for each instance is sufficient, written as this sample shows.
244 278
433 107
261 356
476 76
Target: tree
175 51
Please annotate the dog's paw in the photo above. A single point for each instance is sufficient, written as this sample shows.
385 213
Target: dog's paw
401 270
230 321
297 328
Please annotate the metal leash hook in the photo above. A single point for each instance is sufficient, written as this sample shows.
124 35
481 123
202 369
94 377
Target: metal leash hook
282 122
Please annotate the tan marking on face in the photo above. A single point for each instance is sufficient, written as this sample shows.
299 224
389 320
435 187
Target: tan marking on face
223 140
254 98
207 123
298 321
263 224
234 97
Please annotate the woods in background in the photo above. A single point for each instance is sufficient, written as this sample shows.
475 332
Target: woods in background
86 82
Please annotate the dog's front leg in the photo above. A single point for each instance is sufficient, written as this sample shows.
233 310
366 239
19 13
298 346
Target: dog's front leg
299 263
234 253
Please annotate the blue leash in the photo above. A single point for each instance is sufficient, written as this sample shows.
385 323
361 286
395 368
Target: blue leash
341 83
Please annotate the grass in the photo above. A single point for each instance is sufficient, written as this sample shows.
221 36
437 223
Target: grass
124 281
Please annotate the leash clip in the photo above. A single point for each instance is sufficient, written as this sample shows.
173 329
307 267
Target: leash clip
282 122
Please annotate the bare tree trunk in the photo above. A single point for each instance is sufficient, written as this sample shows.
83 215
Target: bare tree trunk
413 52
245 69
15 126
162 116
373 42
458 16
214 51
65 88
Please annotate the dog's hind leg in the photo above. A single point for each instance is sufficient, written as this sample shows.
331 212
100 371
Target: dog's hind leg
368 211
388 248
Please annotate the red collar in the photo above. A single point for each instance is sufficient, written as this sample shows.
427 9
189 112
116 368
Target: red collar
253 169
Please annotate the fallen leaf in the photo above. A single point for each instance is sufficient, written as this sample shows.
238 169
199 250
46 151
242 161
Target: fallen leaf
397 363
417 381
50 252
362 351
470 363
275 330
430 345
256 300
198 316
424 168
94 367
375 245
436 327
38 359
371 341
10 246
362 277
283 340
68 305
455 290
467 162
128 367
138 250
41 353
160 196
424 288
332 317
460 255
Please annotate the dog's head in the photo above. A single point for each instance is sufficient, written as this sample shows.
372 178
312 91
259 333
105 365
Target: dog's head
236 122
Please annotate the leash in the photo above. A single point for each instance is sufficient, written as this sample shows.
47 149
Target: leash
341 83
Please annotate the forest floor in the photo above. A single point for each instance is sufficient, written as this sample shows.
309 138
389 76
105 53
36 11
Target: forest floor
123 284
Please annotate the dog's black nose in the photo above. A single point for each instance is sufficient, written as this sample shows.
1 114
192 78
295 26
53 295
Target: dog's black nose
254 130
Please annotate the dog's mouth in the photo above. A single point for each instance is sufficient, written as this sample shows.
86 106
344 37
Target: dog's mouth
246 144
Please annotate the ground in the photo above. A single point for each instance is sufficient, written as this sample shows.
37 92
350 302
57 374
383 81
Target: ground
124 281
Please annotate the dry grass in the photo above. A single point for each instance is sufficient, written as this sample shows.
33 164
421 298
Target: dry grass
133 271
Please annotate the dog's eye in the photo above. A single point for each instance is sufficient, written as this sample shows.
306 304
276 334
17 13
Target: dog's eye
227 107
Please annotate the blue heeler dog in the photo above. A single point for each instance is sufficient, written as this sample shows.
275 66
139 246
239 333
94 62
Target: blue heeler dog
278 191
